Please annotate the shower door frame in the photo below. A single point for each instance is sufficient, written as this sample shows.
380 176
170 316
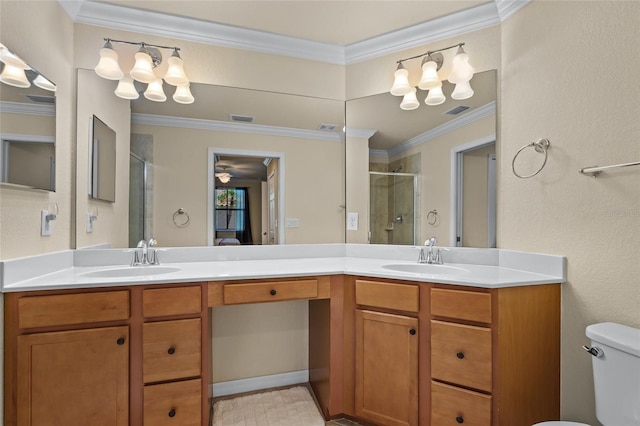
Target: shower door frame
416 199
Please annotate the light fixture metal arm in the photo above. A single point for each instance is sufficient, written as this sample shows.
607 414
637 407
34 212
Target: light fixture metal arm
141 43
430 52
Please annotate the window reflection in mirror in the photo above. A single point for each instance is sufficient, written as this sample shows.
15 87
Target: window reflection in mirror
28 115
103 161
425 142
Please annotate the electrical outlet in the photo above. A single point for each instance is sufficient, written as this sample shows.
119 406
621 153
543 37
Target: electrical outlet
352 221
45 223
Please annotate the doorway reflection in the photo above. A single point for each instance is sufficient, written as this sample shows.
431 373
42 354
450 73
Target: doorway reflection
392 208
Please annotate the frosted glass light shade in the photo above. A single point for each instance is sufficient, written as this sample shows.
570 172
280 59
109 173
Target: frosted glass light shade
410 101
429 79
126 89
223 177
183 95
142 71
401 86
43 83
462 91
108 66
175 74
461 71
14 76
9 58
154 91
435 97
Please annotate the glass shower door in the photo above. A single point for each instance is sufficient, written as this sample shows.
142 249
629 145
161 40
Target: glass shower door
137 202
392 209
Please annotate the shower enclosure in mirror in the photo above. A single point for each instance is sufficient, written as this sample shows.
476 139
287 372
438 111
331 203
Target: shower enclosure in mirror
28 116
103 161
392 208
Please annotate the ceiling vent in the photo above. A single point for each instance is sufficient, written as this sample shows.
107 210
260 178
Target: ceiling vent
242 118
42 99
327 127
457 110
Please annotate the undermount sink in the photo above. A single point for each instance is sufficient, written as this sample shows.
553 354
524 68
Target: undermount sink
132 271
427 269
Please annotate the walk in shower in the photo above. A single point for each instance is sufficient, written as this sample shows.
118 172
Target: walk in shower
138 169
392 208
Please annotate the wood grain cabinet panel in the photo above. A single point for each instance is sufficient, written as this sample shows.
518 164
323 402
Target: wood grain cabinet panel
272 291
161 302
72 309
173 404
463 305
452 406
461 354
73 378
171 350
400 297
386 368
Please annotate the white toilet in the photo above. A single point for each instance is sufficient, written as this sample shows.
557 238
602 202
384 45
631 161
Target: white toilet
616 374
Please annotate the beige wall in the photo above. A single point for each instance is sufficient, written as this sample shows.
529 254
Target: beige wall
312 192
357 195
95 97
568 75
23 27
475 229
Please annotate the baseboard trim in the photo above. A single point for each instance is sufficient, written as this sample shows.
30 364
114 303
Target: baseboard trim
256 383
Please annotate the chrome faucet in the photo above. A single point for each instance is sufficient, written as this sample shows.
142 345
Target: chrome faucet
431 256
147 255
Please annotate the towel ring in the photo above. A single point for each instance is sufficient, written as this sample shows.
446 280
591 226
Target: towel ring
541 146
179 223
432 218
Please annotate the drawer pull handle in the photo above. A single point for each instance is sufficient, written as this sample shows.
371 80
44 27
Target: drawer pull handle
273 292
412 332
460 419
171 350
172 412
120 341
460 355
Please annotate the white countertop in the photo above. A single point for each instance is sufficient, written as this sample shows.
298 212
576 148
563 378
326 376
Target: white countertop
489 268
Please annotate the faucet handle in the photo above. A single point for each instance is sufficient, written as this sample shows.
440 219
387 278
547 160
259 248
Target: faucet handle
141 244
152 242
431 241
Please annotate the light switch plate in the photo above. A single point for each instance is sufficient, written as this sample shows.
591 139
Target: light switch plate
45 225
293 222
352 221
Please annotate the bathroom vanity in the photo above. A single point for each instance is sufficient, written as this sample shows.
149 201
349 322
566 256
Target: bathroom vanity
385 347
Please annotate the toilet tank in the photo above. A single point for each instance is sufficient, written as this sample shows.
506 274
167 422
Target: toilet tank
616 374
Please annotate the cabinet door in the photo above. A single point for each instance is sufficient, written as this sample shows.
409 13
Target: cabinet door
386 368
71 378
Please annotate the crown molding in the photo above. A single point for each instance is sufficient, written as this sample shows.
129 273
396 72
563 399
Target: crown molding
506 8
28 109
457 123
123 18
474 19
223 126
164 25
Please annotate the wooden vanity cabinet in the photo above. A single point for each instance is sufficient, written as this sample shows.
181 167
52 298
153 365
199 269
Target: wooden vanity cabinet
107 357
386 352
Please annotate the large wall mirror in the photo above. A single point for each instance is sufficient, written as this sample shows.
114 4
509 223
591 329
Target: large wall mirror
28 116
432 169
278 156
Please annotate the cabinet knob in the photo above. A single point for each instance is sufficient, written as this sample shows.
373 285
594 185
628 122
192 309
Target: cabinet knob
460 419
273 292
460 355
412 331
171 350
120 341
172 412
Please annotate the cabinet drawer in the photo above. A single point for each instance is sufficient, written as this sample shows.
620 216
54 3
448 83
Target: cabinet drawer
451 406
158 302
270 291
401 297
171 350
177 403
464 305
67 309
461 354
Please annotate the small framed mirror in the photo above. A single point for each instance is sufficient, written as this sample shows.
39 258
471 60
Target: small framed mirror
102 161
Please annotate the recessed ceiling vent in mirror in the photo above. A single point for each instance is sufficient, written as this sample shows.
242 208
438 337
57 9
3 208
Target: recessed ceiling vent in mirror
242 118
327 127
457 110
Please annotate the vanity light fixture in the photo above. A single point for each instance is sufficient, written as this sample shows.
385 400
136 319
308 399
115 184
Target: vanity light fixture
460 75
16 72
147 59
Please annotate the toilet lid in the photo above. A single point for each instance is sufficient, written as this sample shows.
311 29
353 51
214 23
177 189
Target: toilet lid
560 424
